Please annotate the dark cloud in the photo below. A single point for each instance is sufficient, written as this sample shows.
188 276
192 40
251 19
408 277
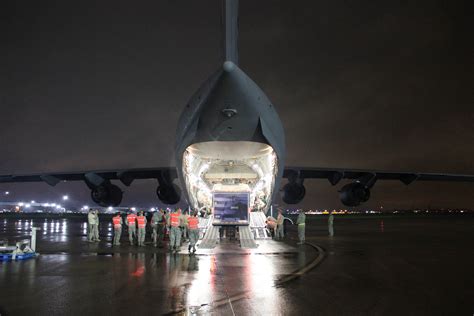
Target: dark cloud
359 84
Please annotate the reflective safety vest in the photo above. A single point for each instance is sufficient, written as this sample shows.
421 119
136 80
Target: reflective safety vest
131 219
141 221
193 222
174 219
116 221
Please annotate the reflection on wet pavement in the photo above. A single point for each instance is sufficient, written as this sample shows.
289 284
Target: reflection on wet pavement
172 283
411 266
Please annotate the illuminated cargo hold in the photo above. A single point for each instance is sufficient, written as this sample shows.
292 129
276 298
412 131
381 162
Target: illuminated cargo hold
230 166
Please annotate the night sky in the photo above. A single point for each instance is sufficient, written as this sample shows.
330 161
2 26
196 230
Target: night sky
382 85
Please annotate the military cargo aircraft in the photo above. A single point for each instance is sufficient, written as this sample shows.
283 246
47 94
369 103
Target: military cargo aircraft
230 139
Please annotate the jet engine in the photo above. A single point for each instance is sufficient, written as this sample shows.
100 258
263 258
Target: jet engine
107 195
169 194
353 194
293 193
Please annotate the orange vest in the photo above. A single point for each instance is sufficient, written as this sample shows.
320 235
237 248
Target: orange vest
193 222
174 219
131 219
141 221
116 220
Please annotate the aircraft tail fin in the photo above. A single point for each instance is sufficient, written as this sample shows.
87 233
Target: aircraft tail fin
230 21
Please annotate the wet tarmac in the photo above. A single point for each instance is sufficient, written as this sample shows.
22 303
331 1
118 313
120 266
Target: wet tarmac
373 266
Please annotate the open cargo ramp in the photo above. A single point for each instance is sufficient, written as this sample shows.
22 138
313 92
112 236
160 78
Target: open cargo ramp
258 226
211 238
246 238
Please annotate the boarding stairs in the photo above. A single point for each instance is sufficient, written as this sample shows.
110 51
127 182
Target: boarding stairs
258 226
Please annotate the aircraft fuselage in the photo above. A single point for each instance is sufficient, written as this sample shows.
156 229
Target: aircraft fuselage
230 139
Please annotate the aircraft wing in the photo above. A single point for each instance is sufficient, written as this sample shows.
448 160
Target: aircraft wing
104 193
94 177
126 176
368 177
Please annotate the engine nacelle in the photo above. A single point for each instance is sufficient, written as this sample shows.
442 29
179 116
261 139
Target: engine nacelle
107 195
353 194
293 193
169 194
